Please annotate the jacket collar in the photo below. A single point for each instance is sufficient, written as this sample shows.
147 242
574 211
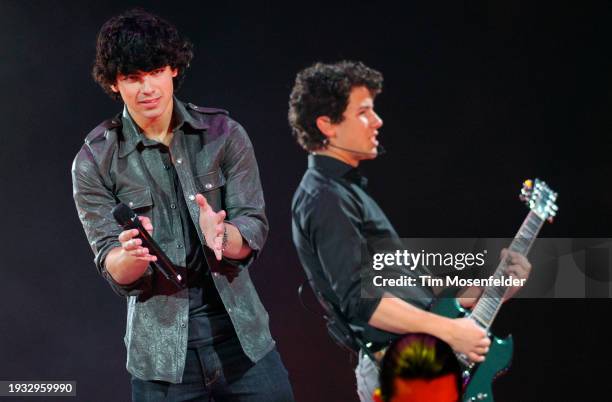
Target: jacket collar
132 134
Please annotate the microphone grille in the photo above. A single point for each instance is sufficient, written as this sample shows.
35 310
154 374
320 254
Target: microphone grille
123 214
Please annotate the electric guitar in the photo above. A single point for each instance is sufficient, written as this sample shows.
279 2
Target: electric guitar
478 377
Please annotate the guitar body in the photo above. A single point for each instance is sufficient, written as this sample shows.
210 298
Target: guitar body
478 379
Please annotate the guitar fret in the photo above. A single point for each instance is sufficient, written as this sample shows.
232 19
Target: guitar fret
524 234
527 232
499 291
532 225
519 245
485 309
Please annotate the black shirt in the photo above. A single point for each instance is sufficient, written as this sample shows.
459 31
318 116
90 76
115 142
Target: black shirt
333 218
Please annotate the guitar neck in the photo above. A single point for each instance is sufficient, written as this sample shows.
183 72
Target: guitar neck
492 297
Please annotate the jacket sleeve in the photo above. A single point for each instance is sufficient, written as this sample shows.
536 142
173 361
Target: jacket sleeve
94 202
244 202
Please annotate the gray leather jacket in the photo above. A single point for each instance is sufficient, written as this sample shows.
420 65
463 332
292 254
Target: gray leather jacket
213 156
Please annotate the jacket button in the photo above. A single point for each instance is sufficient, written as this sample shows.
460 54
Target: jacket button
229 310
179 160
208 186
131 204
179 246
173 206
183 325
192 197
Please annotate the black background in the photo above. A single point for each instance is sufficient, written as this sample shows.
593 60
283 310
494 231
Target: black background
478 96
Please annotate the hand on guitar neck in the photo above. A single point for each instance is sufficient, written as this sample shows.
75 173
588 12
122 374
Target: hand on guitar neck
517 267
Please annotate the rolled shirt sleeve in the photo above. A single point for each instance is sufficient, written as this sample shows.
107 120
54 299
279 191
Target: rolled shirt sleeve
94 202
333 228
244 201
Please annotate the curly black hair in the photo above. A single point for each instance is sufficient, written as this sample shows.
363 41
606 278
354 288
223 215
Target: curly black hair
417 356
324 90
137 40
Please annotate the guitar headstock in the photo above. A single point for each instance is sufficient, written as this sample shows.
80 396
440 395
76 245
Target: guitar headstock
540 199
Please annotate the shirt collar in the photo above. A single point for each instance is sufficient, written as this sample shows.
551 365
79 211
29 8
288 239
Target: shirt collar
335 169
133 134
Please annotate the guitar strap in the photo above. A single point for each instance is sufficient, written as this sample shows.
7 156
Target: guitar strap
338 326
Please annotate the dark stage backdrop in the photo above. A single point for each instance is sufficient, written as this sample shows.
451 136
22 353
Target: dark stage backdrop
478 96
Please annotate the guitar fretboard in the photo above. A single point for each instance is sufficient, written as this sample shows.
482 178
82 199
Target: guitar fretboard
490 302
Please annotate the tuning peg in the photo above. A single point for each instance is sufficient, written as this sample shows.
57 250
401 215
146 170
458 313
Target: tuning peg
526 190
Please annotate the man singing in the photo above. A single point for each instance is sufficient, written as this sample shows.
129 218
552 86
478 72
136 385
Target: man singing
331 113
190 174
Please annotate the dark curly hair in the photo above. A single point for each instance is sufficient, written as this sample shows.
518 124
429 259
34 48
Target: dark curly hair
417 356
138 40
324 90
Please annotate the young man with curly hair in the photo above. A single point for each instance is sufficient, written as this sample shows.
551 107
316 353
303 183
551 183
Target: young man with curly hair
190 174
331 113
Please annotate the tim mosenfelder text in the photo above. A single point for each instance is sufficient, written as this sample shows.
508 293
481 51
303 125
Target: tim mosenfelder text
449 281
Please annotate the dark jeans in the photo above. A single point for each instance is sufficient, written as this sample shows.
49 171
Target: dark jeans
221 372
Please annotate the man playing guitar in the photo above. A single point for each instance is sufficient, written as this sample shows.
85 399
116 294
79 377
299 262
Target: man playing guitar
331 112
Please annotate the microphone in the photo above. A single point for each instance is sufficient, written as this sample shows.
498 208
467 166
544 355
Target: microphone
129 220
380 150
